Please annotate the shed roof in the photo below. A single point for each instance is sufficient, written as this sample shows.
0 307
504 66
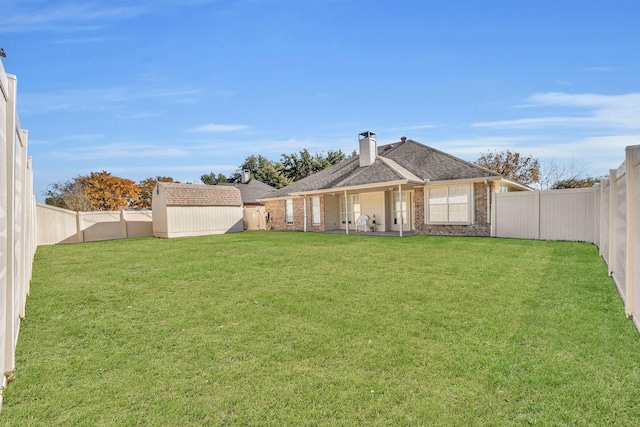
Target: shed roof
199 195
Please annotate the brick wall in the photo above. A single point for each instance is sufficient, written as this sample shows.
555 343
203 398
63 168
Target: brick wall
277 215
481 226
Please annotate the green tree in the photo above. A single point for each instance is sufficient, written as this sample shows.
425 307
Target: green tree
511 165
298 166
290 168
265 170
575 183
211 178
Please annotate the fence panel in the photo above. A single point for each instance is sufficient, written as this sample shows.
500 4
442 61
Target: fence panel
547 215
139 223
56 225
516 215
101 226
17 238
605 200
619 262
634 166
567 215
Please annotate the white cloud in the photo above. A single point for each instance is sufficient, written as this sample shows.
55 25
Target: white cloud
65 17
119 151
215 128
92 99
602 111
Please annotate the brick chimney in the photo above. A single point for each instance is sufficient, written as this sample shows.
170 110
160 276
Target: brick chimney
368 148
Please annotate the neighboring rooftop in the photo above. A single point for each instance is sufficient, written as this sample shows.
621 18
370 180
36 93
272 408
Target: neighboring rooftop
251 190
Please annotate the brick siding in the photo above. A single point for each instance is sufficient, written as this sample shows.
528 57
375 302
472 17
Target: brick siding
277 215
482 223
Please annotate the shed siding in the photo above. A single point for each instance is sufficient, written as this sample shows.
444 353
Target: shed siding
203 220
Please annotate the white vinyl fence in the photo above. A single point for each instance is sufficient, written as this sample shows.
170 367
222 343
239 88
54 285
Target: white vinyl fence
17 225
607 215
57 225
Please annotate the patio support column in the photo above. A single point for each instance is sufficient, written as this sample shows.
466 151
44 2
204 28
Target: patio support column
401 213
346 209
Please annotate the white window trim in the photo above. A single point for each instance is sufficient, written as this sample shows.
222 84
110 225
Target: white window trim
288 212
315 215
470 205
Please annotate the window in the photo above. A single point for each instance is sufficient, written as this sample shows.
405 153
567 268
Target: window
449 205
356 207
315 210
344 209
288 212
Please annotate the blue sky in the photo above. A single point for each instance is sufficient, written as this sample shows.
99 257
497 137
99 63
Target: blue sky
181 88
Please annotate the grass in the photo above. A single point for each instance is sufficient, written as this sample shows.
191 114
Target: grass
300 329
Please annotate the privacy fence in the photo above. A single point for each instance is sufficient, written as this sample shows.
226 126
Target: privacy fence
57 225
607 215
17 225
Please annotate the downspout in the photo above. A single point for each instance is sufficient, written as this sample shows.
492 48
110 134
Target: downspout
304 204
401 214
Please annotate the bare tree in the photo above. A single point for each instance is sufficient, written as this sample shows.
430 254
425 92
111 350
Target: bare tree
552 172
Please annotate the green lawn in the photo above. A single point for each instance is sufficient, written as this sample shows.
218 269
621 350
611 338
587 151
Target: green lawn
301 329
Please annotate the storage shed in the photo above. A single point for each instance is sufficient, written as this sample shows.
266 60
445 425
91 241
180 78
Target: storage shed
181 210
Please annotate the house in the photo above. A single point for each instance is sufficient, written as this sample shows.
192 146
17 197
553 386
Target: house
251 190
405 187
181 210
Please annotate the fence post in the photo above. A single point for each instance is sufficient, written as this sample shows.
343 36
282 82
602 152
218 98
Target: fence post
629 276
10 315
123 225
537 213
79 227
612 215
602 230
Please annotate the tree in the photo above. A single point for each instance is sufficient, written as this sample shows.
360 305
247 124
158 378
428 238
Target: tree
107 192
301 166
146 187
265 170
562 174
68 195
212 179
290 168
512 165
575 183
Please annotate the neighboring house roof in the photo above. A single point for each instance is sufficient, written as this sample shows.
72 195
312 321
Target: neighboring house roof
407 161
199 195
251 190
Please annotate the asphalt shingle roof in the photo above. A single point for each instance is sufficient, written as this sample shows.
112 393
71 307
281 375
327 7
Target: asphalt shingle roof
252 190
199 195
402 160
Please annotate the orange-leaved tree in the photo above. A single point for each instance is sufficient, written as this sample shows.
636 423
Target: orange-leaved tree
513 166
107 192
146 189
